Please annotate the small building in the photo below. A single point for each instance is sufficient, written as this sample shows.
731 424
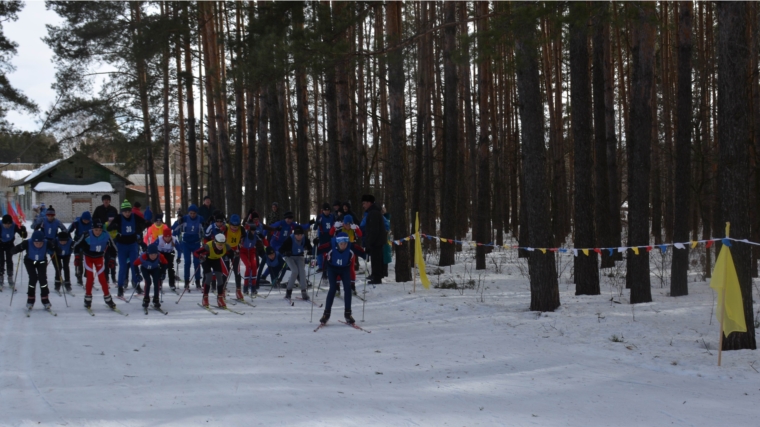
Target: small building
72 186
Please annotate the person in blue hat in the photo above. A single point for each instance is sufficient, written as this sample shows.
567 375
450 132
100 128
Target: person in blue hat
8 233
129 228
81 225
151 263
37 249
190 228
339 256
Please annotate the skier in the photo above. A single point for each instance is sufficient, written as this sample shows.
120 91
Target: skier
49 225
7 236
252 236
284 228
234 235
63 250
191 228
155 230
80 226
35 262
213 256
94 245
105 212
274 265
354 233
339 258
129 228
166 245
324 223
151 263
216 226
293 251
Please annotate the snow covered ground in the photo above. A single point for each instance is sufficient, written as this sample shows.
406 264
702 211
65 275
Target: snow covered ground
441 357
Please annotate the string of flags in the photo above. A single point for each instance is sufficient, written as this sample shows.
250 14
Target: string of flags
587 251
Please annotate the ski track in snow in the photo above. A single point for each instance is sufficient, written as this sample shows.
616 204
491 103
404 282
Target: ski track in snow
433 358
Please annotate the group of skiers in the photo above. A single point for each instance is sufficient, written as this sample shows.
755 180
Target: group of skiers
213 246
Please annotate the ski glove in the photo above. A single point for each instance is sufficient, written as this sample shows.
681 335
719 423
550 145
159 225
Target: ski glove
338 224
315 241
354 226
312 222
179 260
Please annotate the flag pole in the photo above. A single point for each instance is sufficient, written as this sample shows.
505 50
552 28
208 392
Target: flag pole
416 229
723 305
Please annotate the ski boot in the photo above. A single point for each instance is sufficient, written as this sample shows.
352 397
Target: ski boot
220 301
29 303
325 317
109 302
146 301
57 286
304 295
2 280
349 318
246 287
67 285
198 285
204 300
139 290
156 302
45 303
254 290
238 294
120 292
288 293
87 301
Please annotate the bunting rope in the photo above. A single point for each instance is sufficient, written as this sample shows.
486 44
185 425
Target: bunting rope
587 251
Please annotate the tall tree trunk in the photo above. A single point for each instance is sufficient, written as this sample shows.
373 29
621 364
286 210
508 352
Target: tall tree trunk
613 209
187 77
423 107
167 130
235 197
585 264
278 161
734 140
333 165
227 192
601 168
251 190
185 200
680 263
484 155
397 148
544 288
262 173
639 170
214 183
451 117
302 147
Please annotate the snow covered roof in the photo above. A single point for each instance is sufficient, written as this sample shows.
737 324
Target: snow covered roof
16 175
50 187
40 170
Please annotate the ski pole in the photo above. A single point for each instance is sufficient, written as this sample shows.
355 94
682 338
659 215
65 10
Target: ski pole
60 278
188 286
13 288
313 287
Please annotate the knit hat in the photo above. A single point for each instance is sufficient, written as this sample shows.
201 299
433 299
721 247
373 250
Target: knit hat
235 220
126 206
341 238
288 214
253 215
97 223
50 210
336 203
206 197
7 219
38 236
192 208
167 232
86 216
275 204
298 230
348 219
368 198
63 235
159 217
152 249
270 251
137 205
105 197
325 206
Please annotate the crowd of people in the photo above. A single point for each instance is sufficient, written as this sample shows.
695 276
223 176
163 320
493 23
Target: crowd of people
145 248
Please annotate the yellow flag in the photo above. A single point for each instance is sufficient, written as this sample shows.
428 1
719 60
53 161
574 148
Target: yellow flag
724 275
585 252
418 259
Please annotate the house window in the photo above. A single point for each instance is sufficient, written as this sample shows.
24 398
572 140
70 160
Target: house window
79 172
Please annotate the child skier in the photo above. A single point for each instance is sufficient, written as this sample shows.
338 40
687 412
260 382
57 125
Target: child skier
191 228
94 245
323 225
80 226
234 234
129 228
274 265
339 259
354 233
35 262
213 256
7 237
252 236
166 245
63 250
151 264
293 251
156 230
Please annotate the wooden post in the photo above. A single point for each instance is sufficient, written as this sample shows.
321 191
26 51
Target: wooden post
722 306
